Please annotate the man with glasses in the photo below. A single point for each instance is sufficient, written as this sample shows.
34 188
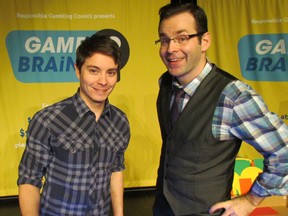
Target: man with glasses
214 112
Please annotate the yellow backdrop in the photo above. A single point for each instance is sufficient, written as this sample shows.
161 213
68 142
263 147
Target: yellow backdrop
135 94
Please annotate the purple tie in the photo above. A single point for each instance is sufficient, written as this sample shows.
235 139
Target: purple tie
174 112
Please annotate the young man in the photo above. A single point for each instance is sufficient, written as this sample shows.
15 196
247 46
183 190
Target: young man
78 144
217 112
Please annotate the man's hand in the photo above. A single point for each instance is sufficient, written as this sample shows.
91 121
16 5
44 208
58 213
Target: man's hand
240 206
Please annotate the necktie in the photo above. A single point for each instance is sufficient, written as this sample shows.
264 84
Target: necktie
174 112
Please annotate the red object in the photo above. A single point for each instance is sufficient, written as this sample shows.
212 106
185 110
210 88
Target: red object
263 211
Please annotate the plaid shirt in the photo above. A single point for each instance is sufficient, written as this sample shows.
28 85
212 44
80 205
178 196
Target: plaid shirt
242 113
77 156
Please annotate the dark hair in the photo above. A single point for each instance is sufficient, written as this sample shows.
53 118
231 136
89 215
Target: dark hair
197 12
97 44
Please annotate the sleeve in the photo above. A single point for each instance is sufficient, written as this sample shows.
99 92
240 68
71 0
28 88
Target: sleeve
118 164
36 155
253 123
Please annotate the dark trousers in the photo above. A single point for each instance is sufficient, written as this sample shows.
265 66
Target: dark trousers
162 208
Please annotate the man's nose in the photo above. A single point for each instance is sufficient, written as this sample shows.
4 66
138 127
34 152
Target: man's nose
172 46
102 79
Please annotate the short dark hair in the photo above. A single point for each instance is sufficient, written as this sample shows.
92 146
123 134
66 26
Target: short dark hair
197 12
97 44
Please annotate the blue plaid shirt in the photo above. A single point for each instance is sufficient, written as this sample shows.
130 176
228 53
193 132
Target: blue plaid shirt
242 113
77 156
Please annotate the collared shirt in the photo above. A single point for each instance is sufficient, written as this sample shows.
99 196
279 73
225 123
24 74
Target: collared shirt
77 156
191 87
242 113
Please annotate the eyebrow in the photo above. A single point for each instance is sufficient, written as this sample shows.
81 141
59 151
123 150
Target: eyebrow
177 33
93 66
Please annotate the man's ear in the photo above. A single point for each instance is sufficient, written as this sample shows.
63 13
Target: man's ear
205 41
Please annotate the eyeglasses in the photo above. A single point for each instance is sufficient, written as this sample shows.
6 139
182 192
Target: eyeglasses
180 39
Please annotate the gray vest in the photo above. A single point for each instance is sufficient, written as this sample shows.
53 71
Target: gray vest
196 170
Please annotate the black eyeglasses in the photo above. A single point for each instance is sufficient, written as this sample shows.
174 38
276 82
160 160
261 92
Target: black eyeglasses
180 39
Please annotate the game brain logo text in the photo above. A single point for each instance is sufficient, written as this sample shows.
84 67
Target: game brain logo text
49 56
264 57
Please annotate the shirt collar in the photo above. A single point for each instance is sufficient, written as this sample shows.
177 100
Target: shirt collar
82 107
192 86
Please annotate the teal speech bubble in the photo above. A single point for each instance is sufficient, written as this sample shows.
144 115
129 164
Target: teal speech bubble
263 57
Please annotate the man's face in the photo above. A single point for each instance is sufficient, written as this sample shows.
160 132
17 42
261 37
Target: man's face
98 76
184 61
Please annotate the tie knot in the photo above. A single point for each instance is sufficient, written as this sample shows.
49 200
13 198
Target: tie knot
178 93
